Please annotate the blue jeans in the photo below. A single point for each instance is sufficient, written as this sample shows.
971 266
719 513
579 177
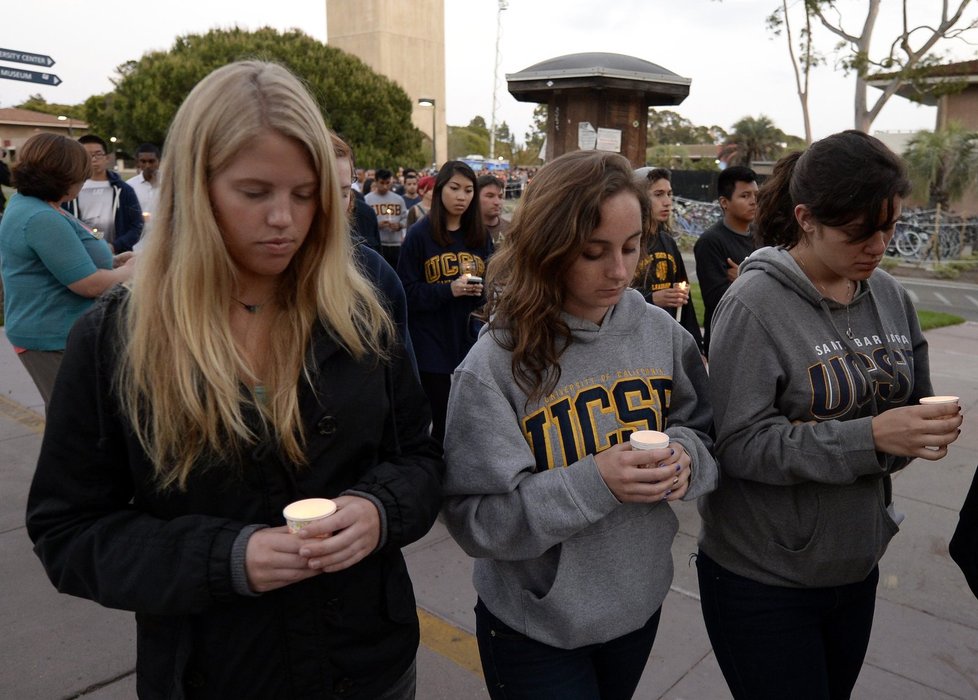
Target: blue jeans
777 642
516 666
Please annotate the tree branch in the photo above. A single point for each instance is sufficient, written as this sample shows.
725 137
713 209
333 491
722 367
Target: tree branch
816 9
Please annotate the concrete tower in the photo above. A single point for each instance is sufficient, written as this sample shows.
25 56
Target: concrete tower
404 41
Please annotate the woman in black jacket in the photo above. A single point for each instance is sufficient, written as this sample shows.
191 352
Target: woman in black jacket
255 361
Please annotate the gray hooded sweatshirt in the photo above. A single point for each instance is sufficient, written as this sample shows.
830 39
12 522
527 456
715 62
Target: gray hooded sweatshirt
803 499
558 557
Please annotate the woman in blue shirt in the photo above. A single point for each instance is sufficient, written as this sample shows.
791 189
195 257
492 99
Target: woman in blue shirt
52 265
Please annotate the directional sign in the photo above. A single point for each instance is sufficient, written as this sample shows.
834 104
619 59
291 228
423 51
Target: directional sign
29 76
34 59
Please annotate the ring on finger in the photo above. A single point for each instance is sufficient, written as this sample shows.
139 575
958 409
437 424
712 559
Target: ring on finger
675 480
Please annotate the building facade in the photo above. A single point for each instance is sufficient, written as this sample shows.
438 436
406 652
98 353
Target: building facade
18 125
404 41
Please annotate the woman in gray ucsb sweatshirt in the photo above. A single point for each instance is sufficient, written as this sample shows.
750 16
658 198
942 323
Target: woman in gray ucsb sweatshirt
816 366
570 528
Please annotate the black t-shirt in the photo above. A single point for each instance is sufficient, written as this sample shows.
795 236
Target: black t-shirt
714 246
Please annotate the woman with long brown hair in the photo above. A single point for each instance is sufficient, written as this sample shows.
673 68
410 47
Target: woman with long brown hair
571 529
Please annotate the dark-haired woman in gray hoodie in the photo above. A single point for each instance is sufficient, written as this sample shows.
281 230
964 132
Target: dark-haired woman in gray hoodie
816 366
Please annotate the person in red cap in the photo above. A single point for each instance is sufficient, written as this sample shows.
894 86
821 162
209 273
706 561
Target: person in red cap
426 186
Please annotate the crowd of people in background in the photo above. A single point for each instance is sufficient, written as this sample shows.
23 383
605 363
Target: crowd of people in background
254 318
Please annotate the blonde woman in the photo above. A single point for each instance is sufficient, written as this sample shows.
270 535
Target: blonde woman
256 360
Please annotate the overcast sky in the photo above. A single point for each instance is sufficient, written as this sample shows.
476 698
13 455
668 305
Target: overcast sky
737 68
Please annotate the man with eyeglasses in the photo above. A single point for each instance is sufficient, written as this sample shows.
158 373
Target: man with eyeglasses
106 204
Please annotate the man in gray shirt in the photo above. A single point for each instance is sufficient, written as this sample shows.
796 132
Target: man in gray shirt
391 216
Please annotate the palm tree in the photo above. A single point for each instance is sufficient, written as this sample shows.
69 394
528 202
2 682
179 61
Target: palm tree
943 162
754 139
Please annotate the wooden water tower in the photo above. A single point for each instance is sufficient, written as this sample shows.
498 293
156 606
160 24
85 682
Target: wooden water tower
598 100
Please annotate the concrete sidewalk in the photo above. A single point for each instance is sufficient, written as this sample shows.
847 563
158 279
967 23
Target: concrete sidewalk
924 644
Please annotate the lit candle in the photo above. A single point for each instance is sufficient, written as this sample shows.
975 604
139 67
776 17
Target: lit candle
679 309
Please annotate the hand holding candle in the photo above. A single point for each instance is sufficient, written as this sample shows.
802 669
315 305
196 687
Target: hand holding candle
682 287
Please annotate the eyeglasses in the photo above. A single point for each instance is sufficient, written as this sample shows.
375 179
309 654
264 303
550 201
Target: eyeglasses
97 154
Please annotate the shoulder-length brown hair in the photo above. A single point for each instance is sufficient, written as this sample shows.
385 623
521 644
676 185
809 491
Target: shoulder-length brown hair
556 217
48 165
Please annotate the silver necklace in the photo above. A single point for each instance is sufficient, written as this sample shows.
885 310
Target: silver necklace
850 293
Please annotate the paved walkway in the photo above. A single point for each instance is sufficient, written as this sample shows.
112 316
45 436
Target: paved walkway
924 644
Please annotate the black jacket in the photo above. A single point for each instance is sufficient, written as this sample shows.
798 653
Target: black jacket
103 530
711 251
964 544
364 225
663 268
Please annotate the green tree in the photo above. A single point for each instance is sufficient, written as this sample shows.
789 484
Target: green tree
36 103
467 140
677 158
505 142
370 111
533 139
754 138
670 128
943 163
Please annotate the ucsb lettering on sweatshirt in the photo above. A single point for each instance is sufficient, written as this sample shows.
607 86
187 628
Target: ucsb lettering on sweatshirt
441 324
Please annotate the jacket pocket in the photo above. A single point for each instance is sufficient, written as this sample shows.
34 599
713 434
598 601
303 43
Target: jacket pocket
401 606
842 538
163 648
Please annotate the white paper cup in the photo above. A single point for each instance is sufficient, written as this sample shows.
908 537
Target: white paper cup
300 513
648 440
931 400
937 400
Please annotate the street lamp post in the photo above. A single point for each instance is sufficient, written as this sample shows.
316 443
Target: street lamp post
495 80
430 102
63 118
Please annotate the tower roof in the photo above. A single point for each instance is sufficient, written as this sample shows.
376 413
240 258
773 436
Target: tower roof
598 71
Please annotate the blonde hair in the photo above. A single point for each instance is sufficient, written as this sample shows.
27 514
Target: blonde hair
180 372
